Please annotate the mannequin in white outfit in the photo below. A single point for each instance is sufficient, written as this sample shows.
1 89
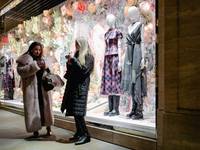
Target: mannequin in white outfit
115 96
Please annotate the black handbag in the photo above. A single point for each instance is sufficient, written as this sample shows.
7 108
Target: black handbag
52 82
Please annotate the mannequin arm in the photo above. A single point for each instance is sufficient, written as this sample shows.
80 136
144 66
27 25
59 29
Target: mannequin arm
142 47
119 55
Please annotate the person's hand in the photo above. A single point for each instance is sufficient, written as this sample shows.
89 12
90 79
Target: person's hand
44 66
69 57
69 62
119 67
40 64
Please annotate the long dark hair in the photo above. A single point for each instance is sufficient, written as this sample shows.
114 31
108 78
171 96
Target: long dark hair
31 48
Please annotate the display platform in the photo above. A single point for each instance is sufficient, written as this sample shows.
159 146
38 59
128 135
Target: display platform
146 126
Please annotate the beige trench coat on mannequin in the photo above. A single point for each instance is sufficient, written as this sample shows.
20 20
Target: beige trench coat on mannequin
27 69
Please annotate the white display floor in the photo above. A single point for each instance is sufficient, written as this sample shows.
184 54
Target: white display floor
145 127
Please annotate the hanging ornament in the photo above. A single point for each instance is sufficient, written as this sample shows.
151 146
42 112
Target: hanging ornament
144 6
91 8
126 10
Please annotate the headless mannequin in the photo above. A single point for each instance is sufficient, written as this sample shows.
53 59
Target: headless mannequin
114 99
137 108
8 55
9 77
3 68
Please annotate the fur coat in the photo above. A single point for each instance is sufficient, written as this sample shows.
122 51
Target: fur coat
27 68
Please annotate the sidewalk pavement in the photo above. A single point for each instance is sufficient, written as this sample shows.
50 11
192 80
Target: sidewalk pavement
13 136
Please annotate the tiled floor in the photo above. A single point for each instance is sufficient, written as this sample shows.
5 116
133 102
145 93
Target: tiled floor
13 136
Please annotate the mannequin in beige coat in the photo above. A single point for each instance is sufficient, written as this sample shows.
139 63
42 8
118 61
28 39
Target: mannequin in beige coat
37 103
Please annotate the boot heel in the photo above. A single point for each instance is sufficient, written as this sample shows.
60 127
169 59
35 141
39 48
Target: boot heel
49 133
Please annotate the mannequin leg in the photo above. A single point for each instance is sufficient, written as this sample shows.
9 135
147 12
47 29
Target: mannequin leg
133 111
11 93
139 109
115 110
110 103
6 94
78 133
86 136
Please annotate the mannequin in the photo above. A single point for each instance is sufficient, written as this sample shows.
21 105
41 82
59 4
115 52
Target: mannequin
9 80
111 75
30 42
134 73
24 48
3 69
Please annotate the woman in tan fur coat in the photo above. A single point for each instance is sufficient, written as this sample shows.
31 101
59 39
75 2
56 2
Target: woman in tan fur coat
37 102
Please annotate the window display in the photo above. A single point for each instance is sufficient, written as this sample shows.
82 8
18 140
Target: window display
121 35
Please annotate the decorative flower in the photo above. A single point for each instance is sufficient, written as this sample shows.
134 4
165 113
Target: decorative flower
130 3
47 13
153 6
20 26
47 20
64 10
126 10
97 2
91 8
81 7
65 28
55 36
69 12
75 5
144 6
41 34
20 31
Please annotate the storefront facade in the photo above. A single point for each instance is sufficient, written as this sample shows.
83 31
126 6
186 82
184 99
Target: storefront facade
177 117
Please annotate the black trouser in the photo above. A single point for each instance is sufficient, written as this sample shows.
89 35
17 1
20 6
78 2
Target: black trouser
137 108
80 125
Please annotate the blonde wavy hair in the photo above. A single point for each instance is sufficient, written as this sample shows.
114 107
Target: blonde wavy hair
84 49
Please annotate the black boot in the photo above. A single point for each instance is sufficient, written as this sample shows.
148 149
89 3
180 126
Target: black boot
133 111
11 93
115 110
49 132
86 136
139 109
78 133
6 94
110 103
36 134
